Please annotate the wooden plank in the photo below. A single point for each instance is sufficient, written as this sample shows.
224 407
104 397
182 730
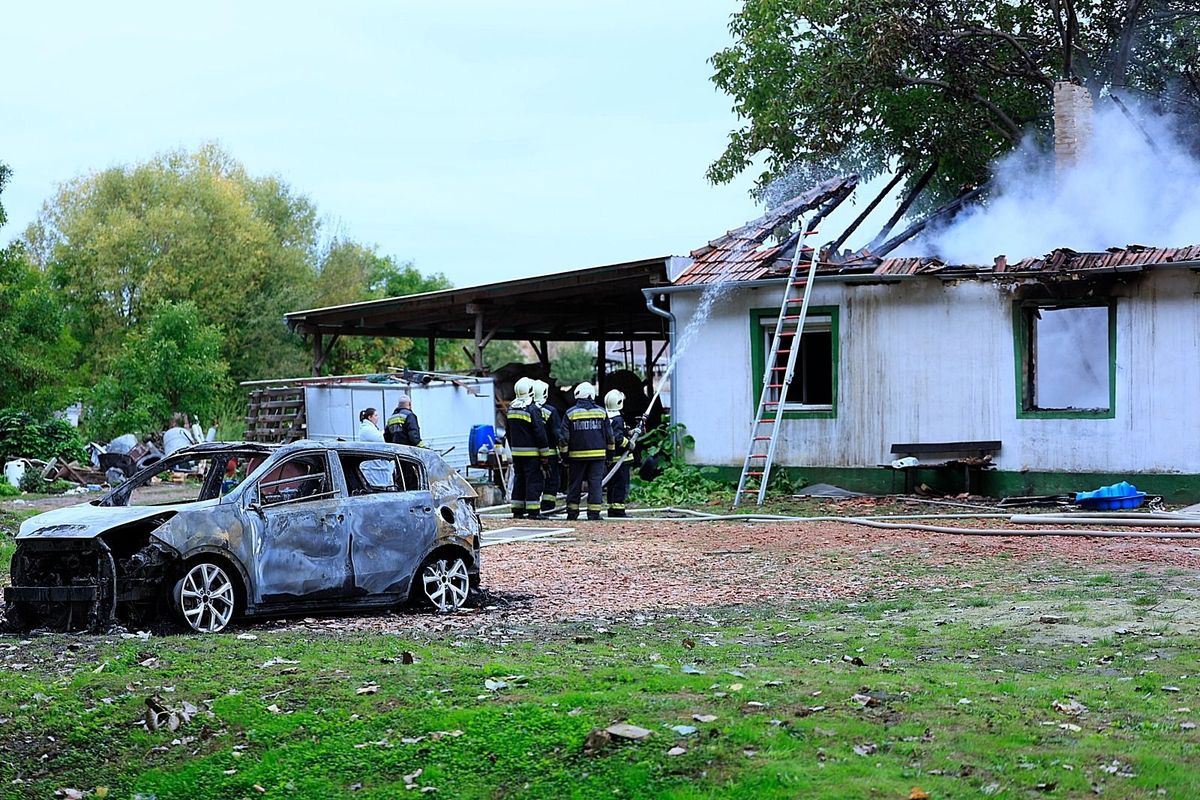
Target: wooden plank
916 448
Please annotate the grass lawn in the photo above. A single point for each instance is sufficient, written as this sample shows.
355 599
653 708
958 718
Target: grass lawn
1020 682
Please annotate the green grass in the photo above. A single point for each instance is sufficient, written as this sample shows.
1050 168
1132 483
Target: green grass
70 712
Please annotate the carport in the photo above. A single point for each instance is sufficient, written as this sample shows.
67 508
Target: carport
597 304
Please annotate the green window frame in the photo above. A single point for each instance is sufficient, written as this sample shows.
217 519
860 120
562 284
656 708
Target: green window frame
1025 360
762 327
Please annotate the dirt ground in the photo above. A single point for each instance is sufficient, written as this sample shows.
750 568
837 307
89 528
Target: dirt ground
616 570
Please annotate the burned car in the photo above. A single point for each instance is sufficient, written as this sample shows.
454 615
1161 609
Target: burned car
262 530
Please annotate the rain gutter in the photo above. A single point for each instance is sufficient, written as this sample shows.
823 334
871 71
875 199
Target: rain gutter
649 293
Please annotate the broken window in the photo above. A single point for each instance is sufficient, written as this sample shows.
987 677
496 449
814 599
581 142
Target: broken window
368 474
1067 353
302 478
179 482
814 379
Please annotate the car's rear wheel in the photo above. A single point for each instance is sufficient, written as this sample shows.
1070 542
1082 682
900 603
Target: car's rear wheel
444 582
206 597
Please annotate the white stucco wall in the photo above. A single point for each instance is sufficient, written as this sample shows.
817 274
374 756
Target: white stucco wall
926 361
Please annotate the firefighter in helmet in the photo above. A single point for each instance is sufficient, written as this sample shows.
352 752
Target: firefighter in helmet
526 439
551 464
618 486
586 439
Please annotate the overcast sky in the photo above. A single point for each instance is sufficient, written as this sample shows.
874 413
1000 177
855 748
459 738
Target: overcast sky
484 140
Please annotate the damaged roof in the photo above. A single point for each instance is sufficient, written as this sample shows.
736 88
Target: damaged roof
744 255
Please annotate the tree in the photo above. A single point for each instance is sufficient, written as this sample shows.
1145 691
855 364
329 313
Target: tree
935 89
172 364
573 363
36 353
351 273
37 350
182 227
5 174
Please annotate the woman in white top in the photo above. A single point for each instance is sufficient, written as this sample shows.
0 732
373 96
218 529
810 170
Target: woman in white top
368 426
379 474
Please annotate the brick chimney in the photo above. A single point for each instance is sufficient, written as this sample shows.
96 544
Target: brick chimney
1072 124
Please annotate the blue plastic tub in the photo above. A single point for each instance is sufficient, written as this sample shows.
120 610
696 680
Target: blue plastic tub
481 437
1109 498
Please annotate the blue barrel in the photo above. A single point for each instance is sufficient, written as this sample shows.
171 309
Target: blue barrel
482 436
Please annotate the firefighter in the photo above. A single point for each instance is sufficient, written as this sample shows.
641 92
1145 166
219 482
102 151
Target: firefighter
587 441
618 486
551 464
526 439
402 426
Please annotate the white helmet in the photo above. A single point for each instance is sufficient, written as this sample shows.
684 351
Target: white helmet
585 391
524 388
541 391
614 400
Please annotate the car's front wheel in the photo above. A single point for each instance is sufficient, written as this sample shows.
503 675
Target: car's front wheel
444 582
206 597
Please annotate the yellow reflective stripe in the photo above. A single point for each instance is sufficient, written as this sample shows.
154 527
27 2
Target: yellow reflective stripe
545 452
525 451
595 506
586 453
586 415
545 413
520 415
396 420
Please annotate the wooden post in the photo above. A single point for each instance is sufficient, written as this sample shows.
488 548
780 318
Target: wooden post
317 358
479 344
601 359
649 381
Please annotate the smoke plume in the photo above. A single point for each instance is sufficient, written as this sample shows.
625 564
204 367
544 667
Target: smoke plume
1121 191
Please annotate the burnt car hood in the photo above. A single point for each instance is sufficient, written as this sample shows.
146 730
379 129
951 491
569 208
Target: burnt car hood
86 521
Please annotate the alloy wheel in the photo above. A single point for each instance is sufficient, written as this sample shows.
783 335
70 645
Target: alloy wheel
446 583
207 598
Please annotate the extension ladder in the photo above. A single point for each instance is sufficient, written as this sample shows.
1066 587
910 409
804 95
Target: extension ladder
764 433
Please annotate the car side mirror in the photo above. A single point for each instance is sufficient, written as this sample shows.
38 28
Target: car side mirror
256 508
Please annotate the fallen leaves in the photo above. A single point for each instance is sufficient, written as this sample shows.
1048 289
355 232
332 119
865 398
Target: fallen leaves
161 716
499 684
1071 707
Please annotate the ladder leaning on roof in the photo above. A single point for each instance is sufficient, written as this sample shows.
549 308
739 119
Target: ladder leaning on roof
764 433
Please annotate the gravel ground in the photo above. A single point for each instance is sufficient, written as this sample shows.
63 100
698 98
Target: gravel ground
619 570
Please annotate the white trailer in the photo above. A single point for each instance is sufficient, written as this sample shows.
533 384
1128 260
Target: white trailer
447 408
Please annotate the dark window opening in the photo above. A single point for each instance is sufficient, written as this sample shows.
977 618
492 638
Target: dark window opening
813 378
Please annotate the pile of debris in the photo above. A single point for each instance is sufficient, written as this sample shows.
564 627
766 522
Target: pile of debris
108 465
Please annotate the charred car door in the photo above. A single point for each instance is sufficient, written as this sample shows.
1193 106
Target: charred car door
393 520
303 547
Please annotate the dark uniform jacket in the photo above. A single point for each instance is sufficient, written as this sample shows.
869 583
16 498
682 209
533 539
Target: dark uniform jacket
402 428
526 431
585 433
553 421
620 434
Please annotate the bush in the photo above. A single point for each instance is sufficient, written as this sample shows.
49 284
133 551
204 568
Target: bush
8 490
679 483
23 436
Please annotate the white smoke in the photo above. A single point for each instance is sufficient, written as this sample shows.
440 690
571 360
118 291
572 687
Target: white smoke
1120 192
